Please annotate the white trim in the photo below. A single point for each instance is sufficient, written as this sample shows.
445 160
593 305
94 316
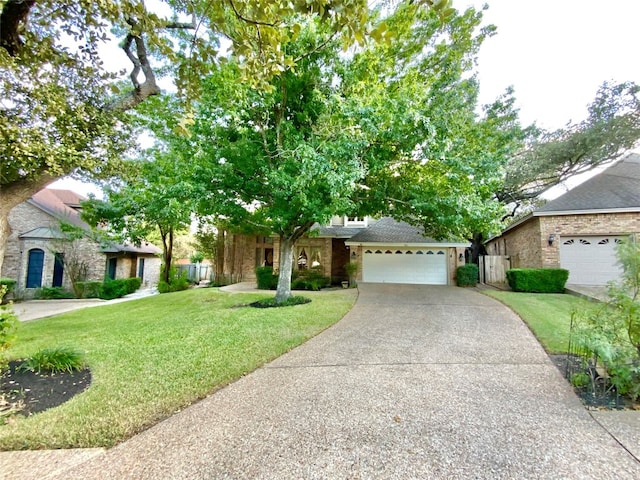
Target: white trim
408 245
586 212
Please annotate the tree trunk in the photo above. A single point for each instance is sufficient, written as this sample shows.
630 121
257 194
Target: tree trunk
286 267
167 252
220 254
13 194
477 247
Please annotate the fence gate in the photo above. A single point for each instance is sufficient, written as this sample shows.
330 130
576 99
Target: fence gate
493 268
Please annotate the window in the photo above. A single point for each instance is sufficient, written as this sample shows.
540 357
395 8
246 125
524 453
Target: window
34 268
355 222
58 270
309 257
112 265
141 269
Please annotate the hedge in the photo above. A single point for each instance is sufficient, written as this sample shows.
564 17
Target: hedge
537 280
467 275
88 289
266 279
9 282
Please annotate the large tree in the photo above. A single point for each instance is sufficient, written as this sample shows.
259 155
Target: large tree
390 128
62 113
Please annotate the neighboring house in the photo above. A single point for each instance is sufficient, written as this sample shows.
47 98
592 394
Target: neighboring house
386 251
580 229
37 253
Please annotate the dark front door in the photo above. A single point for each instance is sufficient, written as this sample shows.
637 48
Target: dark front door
34 268
58 270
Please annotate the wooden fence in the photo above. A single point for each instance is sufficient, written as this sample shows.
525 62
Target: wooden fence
493 268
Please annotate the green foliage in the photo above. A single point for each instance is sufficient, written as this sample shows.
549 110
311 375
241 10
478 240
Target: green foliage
88 289
113 289
10 283
54 360
53 293
197 257
177 282
289 302
467 275
132 284
351 269
611 129
8 326
266 279
537 280
610 333
309 279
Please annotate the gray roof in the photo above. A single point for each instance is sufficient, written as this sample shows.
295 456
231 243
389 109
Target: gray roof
47 233
617 187
390 231
145 248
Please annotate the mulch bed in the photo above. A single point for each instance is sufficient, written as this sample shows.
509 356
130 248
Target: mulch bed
33 392
602 397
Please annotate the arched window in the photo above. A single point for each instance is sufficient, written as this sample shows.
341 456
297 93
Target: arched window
35 267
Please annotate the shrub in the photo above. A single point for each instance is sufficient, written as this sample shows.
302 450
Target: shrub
267 280
8 326
311 279
289 302
537 280
113 289
54 293
467 275
88 289
54 360
10 283
177 282
610 332
132 284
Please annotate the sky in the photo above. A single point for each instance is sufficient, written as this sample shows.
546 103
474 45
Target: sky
555 53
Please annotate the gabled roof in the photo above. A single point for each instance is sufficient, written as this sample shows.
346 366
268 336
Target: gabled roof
340 231
62 204
65 205
616 188
390 232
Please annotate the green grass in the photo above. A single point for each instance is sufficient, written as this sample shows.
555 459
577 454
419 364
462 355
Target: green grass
152 357
547 314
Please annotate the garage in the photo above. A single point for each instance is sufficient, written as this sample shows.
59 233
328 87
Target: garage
405 265
590 260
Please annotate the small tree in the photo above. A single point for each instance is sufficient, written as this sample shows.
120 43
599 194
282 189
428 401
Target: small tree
69 251
611 333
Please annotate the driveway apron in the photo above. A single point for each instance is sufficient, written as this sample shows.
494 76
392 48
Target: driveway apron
416 382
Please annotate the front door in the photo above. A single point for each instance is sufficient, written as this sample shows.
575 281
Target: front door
112 264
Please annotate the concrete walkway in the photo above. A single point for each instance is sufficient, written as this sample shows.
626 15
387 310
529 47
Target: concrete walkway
415 382
34 309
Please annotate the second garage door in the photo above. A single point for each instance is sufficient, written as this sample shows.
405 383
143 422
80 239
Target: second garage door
415 265
590 260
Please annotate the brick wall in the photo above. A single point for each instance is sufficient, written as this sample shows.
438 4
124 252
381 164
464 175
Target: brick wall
523 244
528 243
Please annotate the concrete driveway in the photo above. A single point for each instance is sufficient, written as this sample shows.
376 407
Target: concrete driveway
416 382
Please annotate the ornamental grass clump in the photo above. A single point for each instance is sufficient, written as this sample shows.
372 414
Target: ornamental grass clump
54 360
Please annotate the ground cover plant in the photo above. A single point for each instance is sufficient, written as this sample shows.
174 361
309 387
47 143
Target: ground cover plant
152 357
547 314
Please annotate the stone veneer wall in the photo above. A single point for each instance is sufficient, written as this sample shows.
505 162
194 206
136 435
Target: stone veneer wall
26 217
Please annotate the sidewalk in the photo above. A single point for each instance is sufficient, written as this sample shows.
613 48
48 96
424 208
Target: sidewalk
34 309
415 382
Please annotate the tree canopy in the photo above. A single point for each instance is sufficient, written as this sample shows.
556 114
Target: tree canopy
388 129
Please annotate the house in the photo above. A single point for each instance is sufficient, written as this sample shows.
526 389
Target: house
580 229
39 255
385 250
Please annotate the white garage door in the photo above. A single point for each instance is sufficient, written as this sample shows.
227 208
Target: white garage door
414 265
590 260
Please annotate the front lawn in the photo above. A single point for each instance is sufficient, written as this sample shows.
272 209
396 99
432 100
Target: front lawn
152 357
547 314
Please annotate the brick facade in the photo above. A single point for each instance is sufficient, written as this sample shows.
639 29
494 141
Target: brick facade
527 244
